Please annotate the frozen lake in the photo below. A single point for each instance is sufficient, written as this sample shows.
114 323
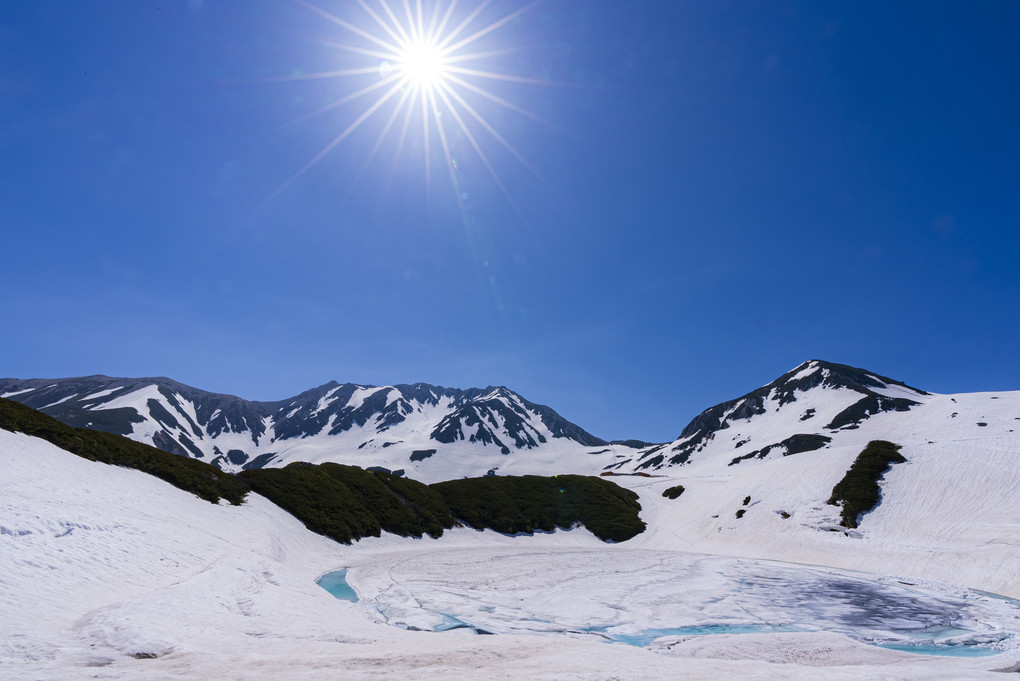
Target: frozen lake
336 583
658 598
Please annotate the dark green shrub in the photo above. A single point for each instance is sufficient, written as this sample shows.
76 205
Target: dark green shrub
858 491
346 503
531 503
673 492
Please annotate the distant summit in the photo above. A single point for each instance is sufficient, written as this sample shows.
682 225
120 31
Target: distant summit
814 393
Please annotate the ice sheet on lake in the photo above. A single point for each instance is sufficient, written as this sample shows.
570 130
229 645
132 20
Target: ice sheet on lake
638 596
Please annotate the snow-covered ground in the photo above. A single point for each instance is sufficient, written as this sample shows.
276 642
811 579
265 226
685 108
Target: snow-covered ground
949 513
109 573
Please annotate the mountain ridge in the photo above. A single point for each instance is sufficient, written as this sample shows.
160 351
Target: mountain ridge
434 433
234 433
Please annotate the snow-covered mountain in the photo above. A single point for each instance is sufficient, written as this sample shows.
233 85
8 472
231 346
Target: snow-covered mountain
430 431
434 433
758 473
802 410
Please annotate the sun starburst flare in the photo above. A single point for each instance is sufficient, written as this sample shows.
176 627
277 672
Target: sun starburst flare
424 76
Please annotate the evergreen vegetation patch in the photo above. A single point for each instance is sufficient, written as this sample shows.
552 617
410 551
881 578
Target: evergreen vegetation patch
532 503
118 420
858 491
201 479
346 503
673 492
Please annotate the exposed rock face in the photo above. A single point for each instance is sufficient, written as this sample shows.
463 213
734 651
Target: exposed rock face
235 433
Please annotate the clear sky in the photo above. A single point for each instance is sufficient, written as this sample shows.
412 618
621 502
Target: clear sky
678 202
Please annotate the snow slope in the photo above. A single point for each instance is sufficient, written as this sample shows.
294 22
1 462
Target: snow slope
950 512
109 573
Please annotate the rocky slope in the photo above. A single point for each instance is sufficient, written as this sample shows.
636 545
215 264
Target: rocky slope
438 432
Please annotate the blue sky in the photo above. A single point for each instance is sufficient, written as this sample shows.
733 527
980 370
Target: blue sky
714 192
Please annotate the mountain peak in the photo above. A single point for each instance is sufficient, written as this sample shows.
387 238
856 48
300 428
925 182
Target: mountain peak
838 395
820 372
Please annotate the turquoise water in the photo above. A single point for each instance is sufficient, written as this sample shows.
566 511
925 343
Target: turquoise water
943 650
646 636
336 583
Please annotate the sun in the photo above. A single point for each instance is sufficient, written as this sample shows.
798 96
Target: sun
429 78
423 64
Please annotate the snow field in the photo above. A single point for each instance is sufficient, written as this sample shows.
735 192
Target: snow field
950 513
102 567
